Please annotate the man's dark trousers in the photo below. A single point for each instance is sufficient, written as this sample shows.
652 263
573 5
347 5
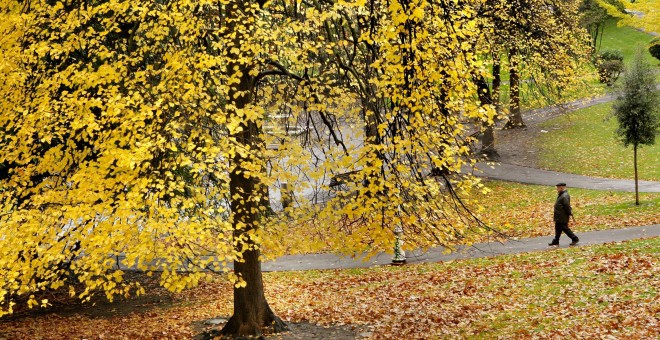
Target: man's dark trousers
563 227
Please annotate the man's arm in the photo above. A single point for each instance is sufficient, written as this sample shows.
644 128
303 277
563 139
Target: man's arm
567 205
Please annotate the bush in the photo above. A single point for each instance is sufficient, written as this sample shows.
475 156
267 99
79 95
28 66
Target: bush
610 65
654 48
611 55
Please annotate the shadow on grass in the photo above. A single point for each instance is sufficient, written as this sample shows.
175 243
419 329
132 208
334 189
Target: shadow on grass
62 304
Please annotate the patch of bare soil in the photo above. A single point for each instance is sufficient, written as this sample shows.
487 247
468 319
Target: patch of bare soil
516 146
297 331
304 330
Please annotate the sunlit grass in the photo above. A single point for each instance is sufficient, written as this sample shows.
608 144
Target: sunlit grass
584 142
626 40
522 210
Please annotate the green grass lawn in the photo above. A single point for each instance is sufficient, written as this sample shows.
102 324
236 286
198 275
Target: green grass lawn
626 39
584 142
522 210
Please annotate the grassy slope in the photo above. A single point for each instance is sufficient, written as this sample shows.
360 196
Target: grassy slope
594 210
626 39
585 292
585 143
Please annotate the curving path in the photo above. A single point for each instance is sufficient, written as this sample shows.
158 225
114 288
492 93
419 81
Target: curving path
527 175
524 174
332 261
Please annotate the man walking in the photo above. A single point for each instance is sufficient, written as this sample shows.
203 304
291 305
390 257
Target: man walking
562 213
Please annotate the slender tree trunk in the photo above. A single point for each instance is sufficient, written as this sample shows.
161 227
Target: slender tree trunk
515 116
251 310
497 82
493 97
636 181
488 138
488 149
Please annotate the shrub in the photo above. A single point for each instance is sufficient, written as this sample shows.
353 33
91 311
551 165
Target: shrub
610 65
611 55
654 47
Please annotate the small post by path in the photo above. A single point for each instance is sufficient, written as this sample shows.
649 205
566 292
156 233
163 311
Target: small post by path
286 194
399 255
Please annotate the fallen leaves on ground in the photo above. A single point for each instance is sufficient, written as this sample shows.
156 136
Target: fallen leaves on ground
600 291
526 210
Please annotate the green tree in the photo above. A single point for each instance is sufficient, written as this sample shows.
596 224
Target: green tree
637 109
610 65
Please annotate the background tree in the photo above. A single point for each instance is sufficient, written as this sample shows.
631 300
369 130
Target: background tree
546 51
637 109
642 14
541 47
594 16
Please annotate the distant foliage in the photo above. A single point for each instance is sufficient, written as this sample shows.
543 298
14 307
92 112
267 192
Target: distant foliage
641 14
593 18
610 66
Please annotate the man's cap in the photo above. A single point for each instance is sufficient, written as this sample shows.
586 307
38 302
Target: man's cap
560 185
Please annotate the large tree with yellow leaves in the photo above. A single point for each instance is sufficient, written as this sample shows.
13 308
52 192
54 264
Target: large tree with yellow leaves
153 134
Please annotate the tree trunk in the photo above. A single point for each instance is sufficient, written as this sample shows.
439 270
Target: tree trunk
636 181
488 140
488 137
515 116
497 82
252 314
251 310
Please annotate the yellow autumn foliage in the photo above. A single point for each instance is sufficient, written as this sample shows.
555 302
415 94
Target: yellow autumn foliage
641 14
123 126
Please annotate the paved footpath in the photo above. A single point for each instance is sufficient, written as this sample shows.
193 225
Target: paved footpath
331 261
527 175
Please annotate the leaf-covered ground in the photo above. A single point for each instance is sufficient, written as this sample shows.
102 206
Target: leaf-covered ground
526 210
606 291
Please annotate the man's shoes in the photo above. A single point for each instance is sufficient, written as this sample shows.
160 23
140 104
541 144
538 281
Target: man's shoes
575 242
552 244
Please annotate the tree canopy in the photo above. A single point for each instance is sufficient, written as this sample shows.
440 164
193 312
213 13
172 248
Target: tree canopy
123 124
642 14
158 135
